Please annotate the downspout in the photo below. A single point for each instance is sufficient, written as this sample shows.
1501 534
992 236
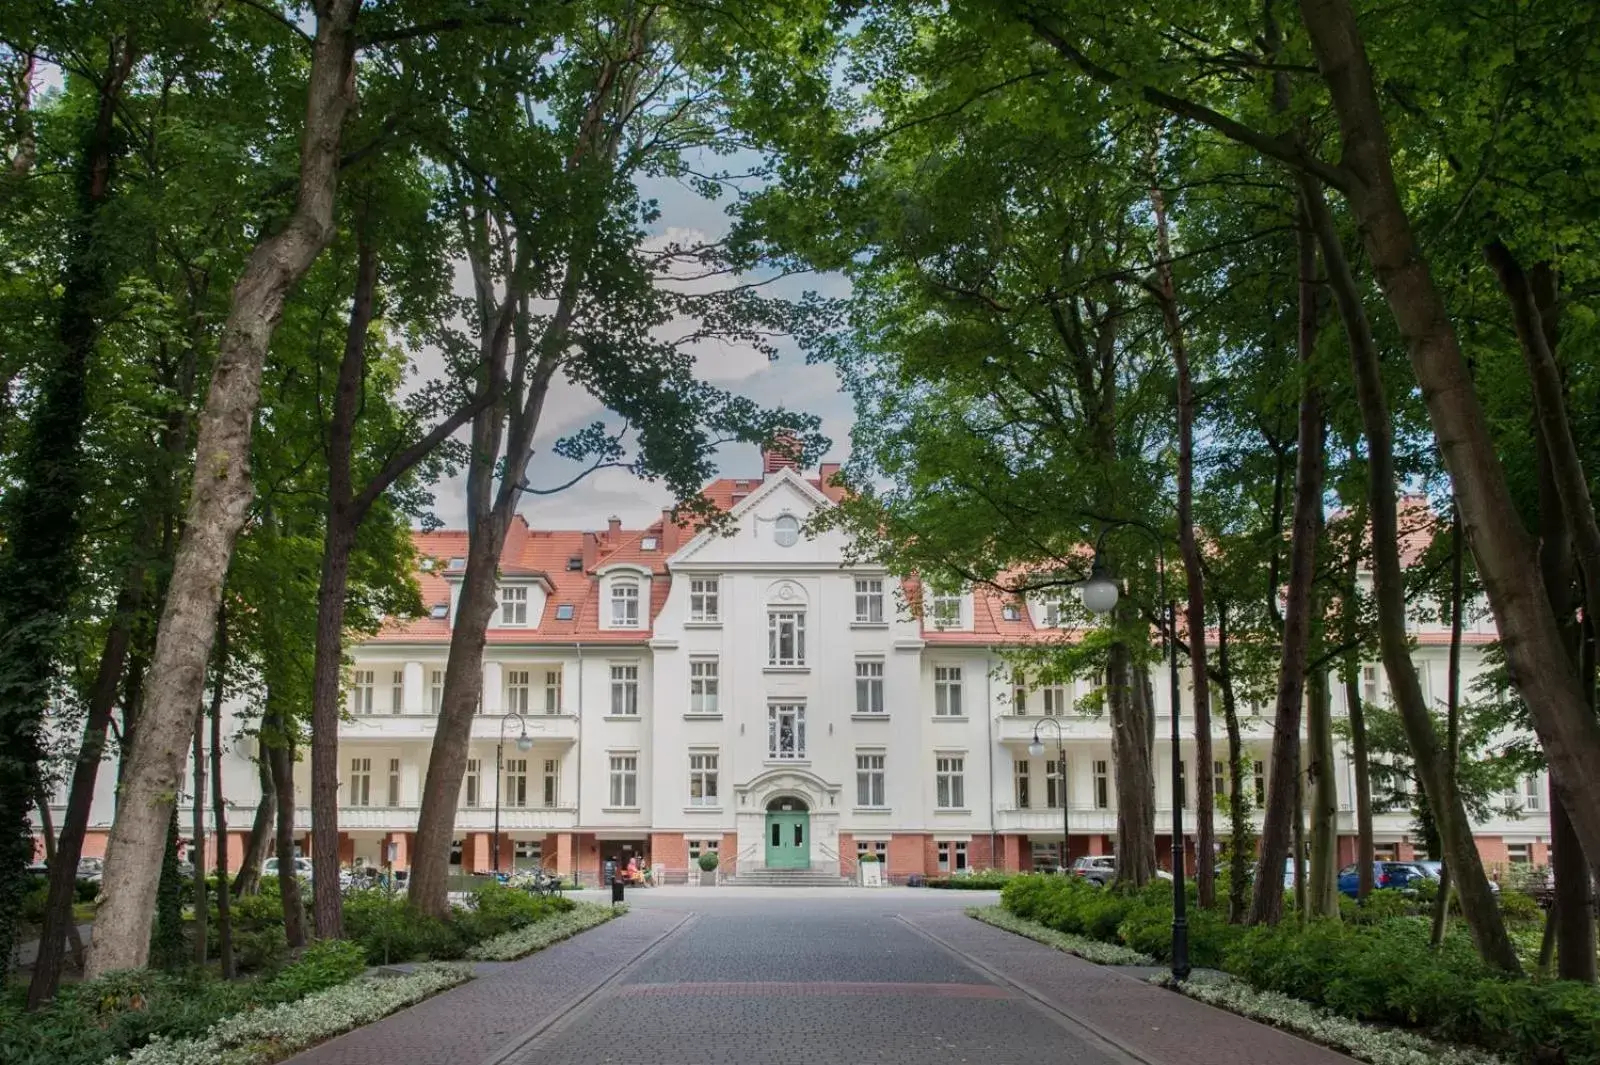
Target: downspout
989 714
578 749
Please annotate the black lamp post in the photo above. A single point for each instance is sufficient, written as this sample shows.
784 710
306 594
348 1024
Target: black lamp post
1100 594
524 743
1036 748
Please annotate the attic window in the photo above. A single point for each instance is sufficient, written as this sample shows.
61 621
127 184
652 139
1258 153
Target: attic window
575 564
648 543
564 612
440 610
740 496
458 563
1011 612
741 484
427 565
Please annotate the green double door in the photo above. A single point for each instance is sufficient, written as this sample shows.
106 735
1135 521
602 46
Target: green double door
789 840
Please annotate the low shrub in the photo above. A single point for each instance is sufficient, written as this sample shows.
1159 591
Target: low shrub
708 862
1519 908
988 880
390 930
1082 946
324 964
575 918
496 910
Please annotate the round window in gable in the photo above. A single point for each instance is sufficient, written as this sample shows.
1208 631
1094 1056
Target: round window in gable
786 530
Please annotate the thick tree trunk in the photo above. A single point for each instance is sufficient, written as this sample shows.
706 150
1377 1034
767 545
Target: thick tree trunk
1537 660
48 831
281 758
1194 575
1452 742
261 830
219 502
1135 780
1322 877
219 807
1478 906
1238 802
198 857
1266 906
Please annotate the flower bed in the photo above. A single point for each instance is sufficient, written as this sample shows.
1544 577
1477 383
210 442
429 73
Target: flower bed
521 942
1085 948
260 1037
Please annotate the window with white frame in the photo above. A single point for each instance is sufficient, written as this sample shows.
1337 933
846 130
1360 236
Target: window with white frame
786 731
552 691
878 848
705 599
1055 700
518 685
697 847
472 783
1369 685
397 691
361 691
514 604
869 779
1053 789
1219 783
704 684
869 685
952 856
869 601
394 782
1532 797
624 780
625 604
625 691
1519 853
947 691
515 792
702 778
945 609
1021 772
786 530
950 782
435 690
1260 769
1102 784
552 783
1019 692
360 782
786 638
1052 613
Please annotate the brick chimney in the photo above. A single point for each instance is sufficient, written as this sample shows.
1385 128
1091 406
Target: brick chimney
782 452
591 550
671 535
613 527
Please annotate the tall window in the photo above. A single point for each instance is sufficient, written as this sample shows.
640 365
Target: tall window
514 605
1022 784
786 638
1052 614
705 599
1261 783
1369 685
360 782
397 691
950 782
946 610
1102 785
947 691
516 787
869 779
952 857
552 691
552 783
625 604
472 784
703 685
786 731
869 600
624 780
1055 701
1532 800
394 782
1219 784
1019 692
517 686
361 692
1053 790
625 691
869 686
435 690
702 779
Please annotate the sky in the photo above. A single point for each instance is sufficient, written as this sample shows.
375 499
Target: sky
688 218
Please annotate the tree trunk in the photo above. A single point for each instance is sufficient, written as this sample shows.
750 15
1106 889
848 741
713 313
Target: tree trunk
166 940
1573 909
1441 911
261 829
39 513
1478 906
51 851
198 858
219 807
281 757
219 502
1322 878
1298 837
1359 764
1135 779
1266 905
1194 575
1238 803
1535 656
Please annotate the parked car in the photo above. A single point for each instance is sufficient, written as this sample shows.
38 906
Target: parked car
1399 876
1435 871
302 868
1101 869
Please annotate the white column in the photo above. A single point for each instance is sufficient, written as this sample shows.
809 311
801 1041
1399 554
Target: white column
411 689
493 696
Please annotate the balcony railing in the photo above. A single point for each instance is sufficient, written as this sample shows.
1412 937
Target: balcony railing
542 727
1048 819
468 818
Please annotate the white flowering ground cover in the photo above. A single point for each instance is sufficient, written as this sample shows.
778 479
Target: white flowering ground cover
1379 1046
1085 948
260 1037
521 942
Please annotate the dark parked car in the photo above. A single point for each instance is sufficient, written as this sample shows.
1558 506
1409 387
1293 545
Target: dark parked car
1399 876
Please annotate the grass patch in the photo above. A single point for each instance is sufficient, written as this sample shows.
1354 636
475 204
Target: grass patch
1081 946
521 942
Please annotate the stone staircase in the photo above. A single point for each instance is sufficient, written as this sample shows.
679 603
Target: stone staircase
816 876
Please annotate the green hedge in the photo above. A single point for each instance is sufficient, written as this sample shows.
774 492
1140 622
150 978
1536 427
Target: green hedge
1377 968
989 880
391 930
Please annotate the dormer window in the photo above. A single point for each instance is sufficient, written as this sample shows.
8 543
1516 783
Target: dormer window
1011 612
786 530
625 604
439 611
575 564
648 543
564 612
514 605
458 563
946 610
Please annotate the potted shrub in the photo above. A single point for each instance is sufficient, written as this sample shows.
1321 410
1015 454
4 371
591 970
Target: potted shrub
871 870
708 869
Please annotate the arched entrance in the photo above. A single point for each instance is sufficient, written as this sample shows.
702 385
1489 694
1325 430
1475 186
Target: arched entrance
788 834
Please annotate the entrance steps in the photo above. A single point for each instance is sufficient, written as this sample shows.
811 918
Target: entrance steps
816 876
